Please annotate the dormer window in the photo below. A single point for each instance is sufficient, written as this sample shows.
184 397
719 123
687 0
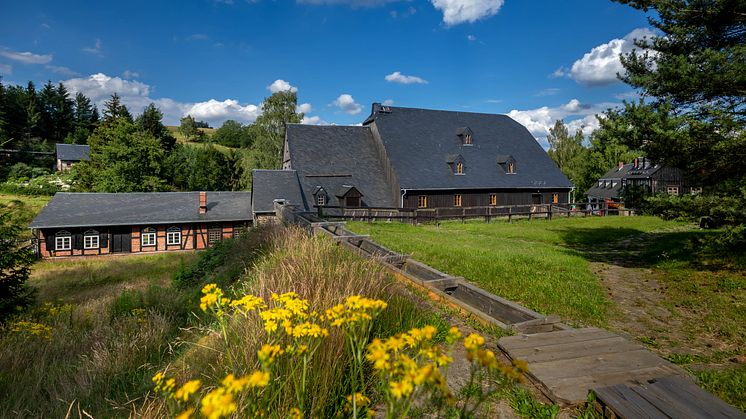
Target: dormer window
320 200
320 196
507 163
456 161
467 137
459 168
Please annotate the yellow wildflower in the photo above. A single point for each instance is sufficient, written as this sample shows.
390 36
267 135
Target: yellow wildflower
400 389
473 342
187 414
295 413
453 335
248 303
186 391
218 403
268 353
258 379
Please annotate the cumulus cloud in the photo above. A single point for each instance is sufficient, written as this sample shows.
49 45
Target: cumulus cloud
280 85
6 69
601 65
388 102
95 50
26 57
398 77
313 120
136 95
62 70
577 116
347 104
127 74
461 11
304 108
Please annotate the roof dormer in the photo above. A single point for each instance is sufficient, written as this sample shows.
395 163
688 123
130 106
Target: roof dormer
507 163
349 196
466 136
320 196
457 164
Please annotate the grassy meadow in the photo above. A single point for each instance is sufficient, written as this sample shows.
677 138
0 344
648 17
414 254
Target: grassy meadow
694 314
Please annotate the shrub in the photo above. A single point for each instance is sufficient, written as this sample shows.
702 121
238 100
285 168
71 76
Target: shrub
15 267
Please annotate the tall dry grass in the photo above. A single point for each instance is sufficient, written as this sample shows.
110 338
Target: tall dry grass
324 274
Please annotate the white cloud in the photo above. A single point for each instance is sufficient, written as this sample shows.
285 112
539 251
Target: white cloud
62 70
347 104
471 38
461 11
127 74
575 114
551 91
313 120
398 77
601 65
280 85
95 50
136 95
304 108
388 102
6 69
26 57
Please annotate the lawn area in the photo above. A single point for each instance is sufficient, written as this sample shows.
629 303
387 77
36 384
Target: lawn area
22 208
536 263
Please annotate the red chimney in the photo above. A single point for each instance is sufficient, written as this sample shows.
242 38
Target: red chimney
202 202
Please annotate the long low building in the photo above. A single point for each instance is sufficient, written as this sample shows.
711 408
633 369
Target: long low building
412 158
87 224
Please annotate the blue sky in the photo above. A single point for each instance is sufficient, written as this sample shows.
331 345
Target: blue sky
534 60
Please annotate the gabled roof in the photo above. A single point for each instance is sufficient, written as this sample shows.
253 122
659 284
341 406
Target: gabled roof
72 152
417 139
268 185
334 156
504 158
141 208
346 190
605 192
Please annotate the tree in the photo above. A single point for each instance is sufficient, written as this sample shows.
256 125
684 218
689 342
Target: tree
232 134
85 119
568 152
268 133
201 168
15 267
189 129
150 121
122 159
693 81
115 109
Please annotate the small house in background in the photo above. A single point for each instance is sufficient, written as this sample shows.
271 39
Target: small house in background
69 154
88 224
643 174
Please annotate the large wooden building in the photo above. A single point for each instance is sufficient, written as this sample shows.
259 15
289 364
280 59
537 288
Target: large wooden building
413 158
88 224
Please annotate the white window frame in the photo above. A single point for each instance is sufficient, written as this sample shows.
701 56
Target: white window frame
91 240
672 190
321 199
63 240
148 237
173 236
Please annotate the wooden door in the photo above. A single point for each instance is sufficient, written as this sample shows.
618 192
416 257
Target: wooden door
121 240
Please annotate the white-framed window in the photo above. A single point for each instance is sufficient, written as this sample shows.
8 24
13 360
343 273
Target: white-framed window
63 240
695 190
91 240
468 140
147 237
173 235
320 199
672 190
214 235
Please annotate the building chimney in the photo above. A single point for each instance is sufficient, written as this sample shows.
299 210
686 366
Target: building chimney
621 165
636 163
202 202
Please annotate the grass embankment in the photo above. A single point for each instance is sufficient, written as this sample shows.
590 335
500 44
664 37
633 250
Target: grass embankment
694 314
208 139
103 326
530 262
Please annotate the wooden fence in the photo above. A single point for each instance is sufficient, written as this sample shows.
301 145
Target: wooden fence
508 212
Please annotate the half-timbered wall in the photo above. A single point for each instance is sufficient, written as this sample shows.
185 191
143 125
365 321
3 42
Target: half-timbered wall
193 236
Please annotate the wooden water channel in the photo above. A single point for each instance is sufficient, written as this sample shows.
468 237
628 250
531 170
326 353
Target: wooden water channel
564 363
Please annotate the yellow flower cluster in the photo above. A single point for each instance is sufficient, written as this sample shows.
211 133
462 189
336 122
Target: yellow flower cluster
32 329
268 353
185 392
248 303
212 296
354 310
163 384
220 402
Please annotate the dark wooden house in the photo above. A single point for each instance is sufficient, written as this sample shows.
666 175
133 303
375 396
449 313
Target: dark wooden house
417 158
643 174
87 224
69 155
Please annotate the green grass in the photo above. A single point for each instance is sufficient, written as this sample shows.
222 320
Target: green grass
208 131
534 263
22 208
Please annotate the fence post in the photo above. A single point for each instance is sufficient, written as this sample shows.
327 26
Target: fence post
550 212
510 215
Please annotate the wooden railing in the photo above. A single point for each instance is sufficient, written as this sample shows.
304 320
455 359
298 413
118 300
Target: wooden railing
488 213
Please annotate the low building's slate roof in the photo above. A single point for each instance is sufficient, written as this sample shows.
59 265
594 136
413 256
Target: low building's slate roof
617 173
605 192
72 152
335 156
141 208
419 142
268 185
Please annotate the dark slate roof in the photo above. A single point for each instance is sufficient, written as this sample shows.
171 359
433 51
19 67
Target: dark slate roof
72 152
418 142
605 192
268 185
141 208
644 170
335 156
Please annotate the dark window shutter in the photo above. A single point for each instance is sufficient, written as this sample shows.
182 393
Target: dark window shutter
78 241
103 240
49 239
